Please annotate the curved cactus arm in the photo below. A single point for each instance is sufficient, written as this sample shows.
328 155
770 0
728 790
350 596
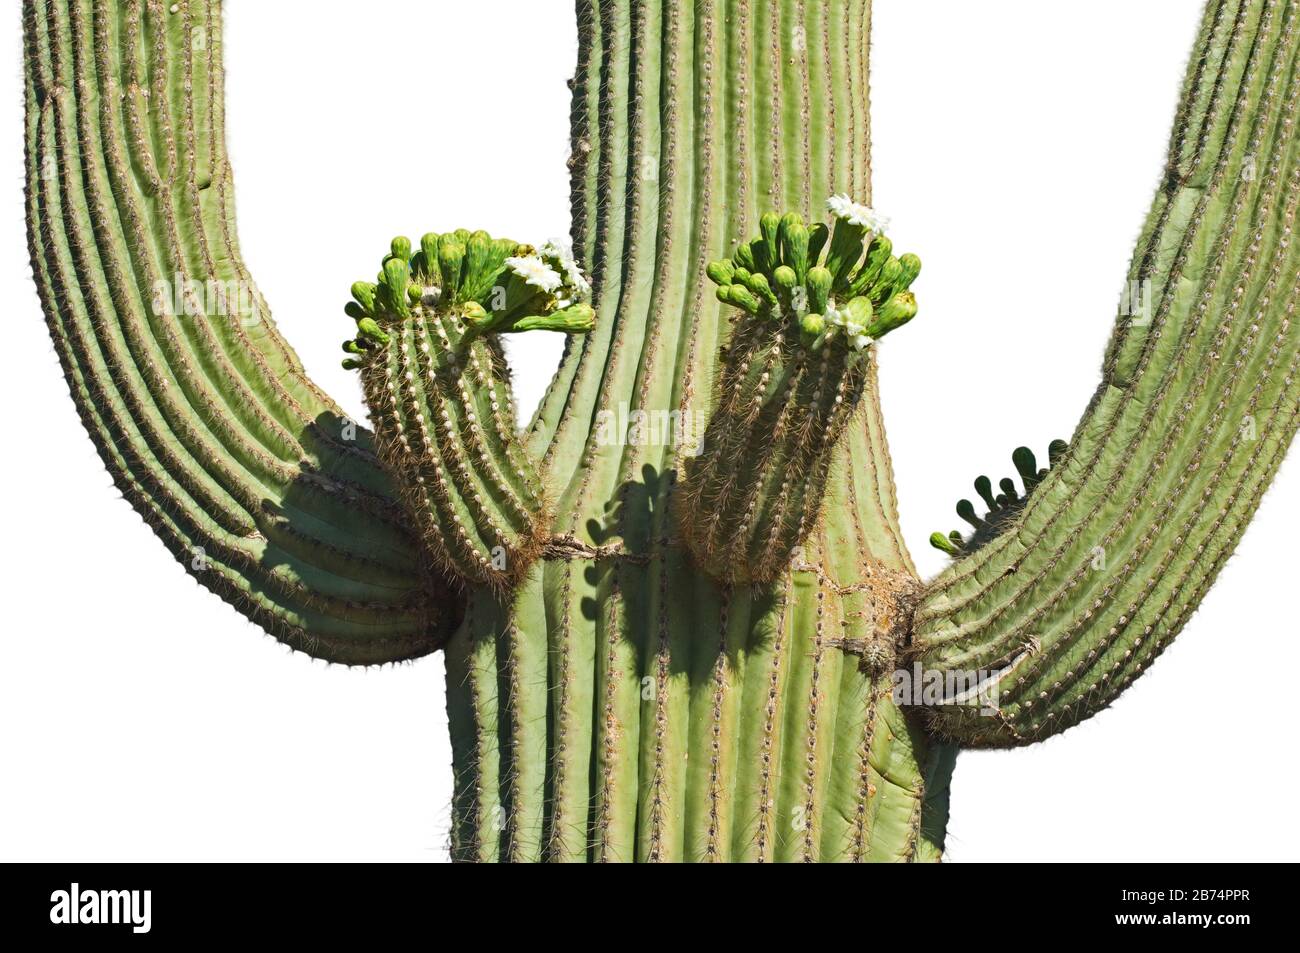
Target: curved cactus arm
200 410
1119 542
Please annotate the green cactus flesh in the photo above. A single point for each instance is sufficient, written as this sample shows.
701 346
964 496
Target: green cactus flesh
649 656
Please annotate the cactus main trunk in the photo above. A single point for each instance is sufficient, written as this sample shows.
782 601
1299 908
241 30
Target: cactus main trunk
625 707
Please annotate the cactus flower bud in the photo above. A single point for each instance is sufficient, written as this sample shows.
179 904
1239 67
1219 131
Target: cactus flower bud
893 314
369 328
945 543
575 319
364 293
721 272
451 256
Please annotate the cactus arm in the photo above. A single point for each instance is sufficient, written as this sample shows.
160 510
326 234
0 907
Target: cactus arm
201 412
1197 406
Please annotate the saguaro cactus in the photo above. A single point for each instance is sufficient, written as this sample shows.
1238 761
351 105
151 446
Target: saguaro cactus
626 680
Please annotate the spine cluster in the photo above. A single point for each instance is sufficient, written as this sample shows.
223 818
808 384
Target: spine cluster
810 303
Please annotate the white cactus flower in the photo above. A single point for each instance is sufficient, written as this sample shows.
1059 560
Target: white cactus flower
536 272
855 213
573 276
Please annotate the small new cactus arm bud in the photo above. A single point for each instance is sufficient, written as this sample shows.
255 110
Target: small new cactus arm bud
1003 507
944 543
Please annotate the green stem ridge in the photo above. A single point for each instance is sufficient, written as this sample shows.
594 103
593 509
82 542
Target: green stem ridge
1197 406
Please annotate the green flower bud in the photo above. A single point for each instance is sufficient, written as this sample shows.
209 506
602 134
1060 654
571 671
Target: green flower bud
1055 451
451 256
768 227
1027 466
911 268
758 251
877 255
354 311
575 319
401 246
966 510
370 329
894 313
817 237
945 543
741 297
788 221
745 257
845 250
819 289
364 293
429 251
859 311
889 276
759 285
353 347
351 364
483 263
984 487
414 293
397 278
785 278
721 272
795 249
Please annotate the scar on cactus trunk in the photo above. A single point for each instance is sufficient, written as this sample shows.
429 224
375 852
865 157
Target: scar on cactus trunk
641 663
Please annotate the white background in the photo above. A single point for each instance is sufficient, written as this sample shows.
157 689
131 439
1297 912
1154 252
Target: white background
1017 148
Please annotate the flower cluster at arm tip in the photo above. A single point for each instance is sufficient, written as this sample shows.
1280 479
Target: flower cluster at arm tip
491 286
850 297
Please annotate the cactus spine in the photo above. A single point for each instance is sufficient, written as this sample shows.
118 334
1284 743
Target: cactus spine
608 700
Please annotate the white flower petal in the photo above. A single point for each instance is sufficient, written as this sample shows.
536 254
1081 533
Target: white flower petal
855 213
562 253
536 272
